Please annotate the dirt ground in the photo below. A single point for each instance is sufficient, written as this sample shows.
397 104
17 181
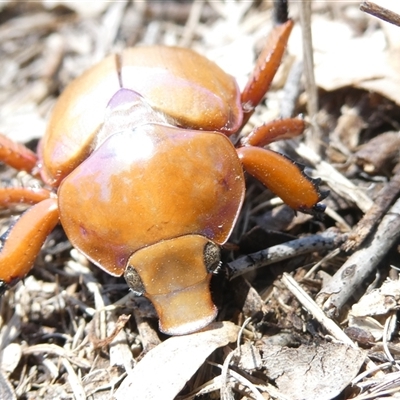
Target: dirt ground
312 313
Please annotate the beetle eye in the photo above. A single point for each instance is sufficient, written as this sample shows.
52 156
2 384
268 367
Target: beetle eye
134 281
212 257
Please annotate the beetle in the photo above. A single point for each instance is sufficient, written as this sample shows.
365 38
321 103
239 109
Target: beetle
138 168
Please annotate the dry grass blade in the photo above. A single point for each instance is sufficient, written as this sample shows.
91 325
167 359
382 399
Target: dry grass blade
316 311
313 138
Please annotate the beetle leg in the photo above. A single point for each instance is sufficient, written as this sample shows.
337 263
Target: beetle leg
22 242
17 155
283 177
265 69
275 130
20 195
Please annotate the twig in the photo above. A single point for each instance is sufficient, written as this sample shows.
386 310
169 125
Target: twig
366 225
309 304
314 135
389 384
119 325
390 324
380 12
291 90
225 384
361 264
324 241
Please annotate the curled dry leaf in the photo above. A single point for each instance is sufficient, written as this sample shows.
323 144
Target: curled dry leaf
380 154
164 371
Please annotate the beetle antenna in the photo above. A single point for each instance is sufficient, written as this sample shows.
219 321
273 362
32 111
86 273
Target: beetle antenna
281 13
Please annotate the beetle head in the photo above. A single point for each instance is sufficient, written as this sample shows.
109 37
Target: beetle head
174 275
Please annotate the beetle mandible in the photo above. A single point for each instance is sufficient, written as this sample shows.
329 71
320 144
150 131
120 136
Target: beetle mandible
138 168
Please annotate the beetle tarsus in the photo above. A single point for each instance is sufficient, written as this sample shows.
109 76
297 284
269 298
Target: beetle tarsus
3 287
281 12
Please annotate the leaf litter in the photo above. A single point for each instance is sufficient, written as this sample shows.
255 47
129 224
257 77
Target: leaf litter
61 332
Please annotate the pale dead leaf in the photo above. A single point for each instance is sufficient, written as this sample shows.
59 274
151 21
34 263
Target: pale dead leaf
343 59
10 357
367 324
164 370
312 372
250 358
379 302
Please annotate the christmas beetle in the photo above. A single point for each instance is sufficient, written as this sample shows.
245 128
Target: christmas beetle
138 168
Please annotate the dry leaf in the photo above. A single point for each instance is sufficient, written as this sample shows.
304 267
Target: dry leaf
344 59
378 301
10 357
368 325
164 371
312 372
250 358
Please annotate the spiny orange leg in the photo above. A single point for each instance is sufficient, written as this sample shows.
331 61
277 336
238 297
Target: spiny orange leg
265 69
283 177
275 130
280 174
19 195
17 155
20 245
22 242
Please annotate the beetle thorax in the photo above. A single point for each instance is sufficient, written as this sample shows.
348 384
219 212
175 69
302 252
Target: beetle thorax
126 111
150 184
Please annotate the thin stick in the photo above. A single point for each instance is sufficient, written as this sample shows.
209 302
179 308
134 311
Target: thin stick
386 196
313 139
309 304
325 241
380 12
361 264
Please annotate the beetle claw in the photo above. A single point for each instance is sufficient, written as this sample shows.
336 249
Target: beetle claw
316 210
3 287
